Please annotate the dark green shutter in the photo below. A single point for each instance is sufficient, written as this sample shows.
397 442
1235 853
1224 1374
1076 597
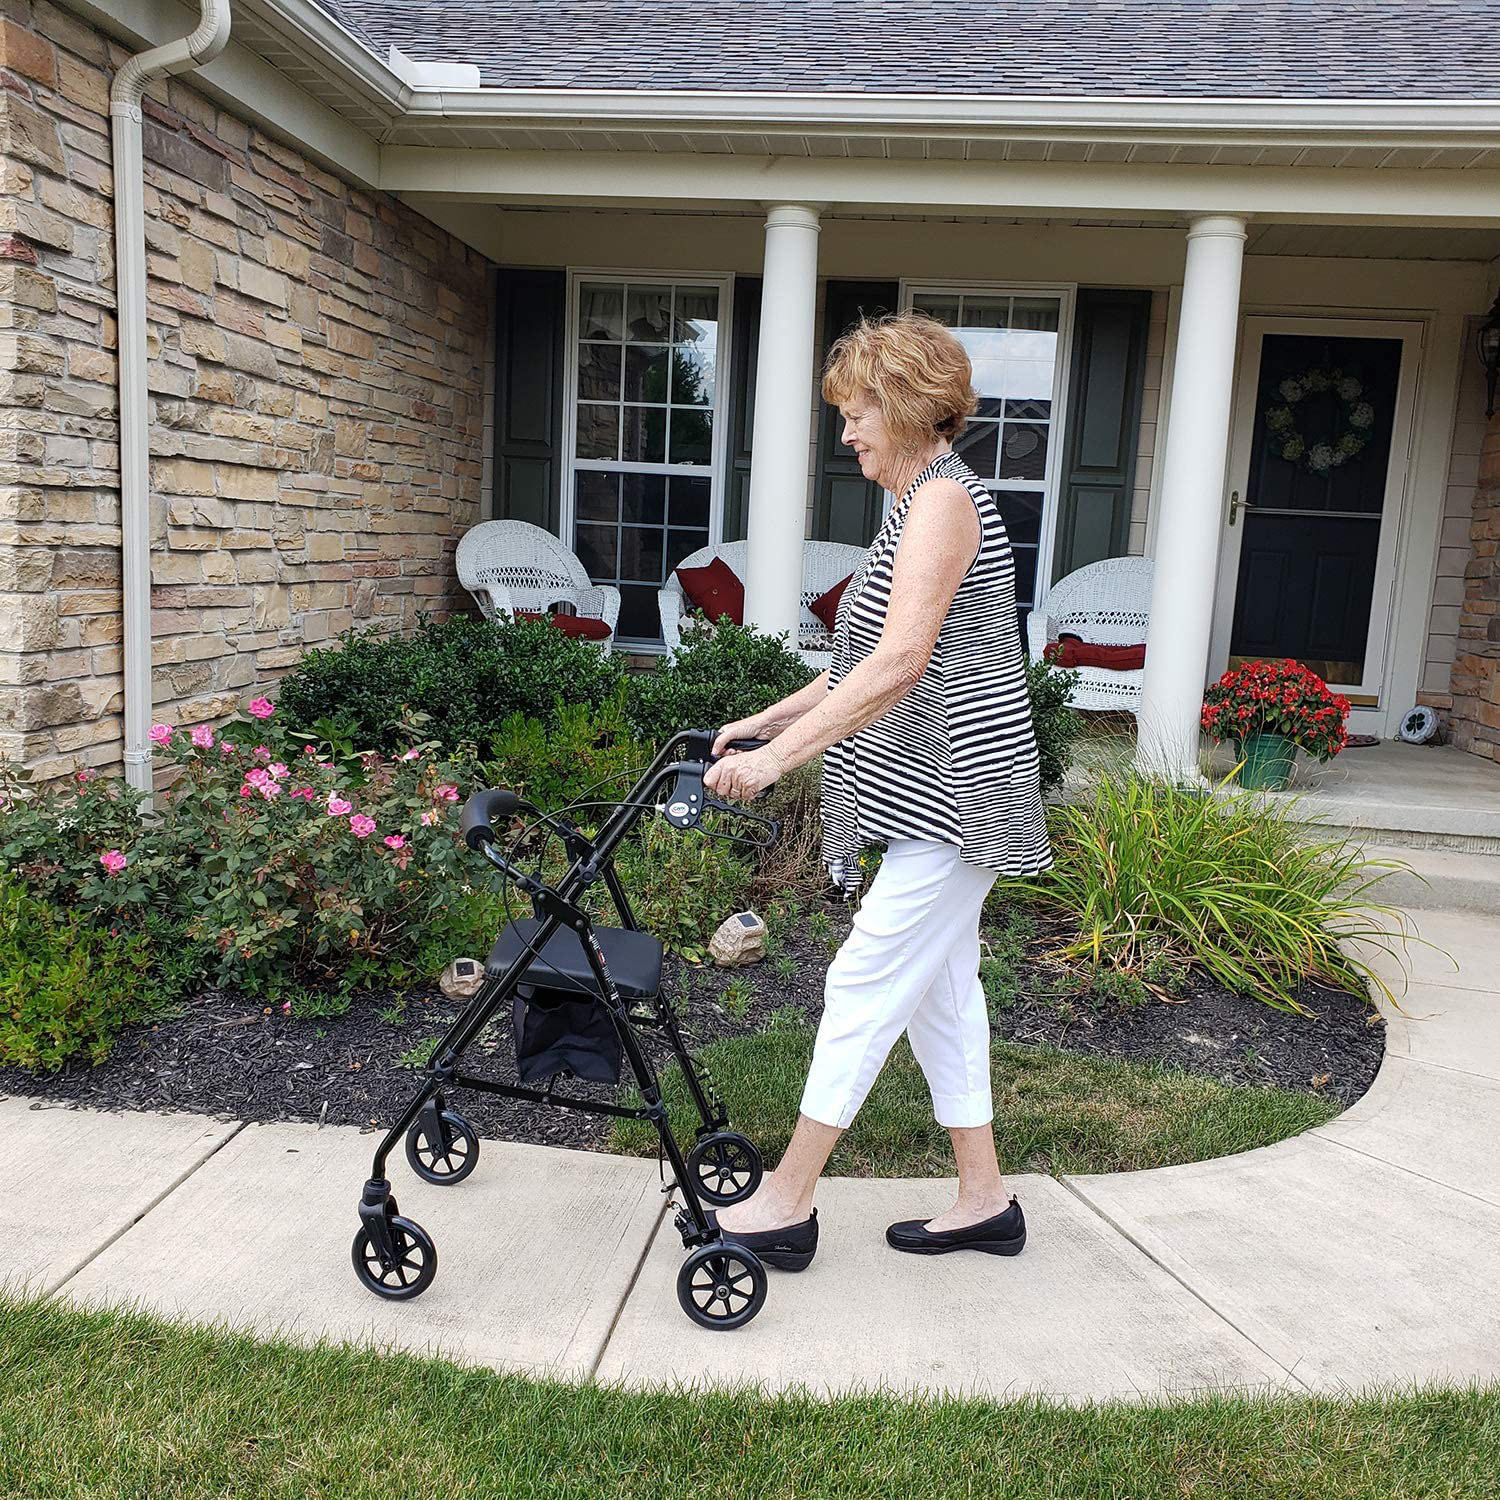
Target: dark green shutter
530 316
847 507
1104 418
741 405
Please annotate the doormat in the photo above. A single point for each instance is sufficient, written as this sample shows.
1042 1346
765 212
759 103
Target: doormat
1361 741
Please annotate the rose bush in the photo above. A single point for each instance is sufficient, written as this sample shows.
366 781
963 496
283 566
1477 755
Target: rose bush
1277 697
283 866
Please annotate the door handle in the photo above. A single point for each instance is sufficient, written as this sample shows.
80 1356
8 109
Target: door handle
1234 506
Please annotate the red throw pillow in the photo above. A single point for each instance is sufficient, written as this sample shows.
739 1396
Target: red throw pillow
580 627
715 590
1071 651
826 606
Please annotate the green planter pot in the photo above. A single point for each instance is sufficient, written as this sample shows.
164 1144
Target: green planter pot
1268 762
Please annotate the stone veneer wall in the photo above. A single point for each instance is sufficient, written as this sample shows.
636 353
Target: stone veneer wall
1475 716
317 381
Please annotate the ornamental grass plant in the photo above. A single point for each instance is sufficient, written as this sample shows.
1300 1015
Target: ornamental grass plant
1147 871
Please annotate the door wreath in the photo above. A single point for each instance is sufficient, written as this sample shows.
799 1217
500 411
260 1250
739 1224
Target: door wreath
1356 418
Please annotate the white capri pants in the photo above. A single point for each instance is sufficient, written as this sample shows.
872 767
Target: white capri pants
910 962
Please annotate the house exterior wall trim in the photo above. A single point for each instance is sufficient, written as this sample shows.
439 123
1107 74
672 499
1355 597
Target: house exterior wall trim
1276 194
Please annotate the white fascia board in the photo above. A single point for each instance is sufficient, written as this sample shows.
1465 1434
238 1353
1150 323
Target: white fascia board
1327 194
246 84
1240 121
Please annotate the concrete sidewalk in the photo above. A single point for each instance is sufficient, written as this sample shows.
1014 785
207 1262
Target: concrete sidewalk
1363 1252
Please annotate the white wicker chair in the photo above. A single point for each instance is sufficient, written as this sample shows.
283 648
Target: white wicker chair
823 565
1108 604
511 565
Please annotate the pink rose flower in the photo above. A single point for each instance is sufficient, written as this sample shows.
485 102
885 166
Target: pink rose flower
412 755
361 826
246 791
428 819
262 753
448 793
277 769
262 708
257 775
160 734
304 792
394 841
86 774
337 807
203 737
113 861
269 789
308 750
225 748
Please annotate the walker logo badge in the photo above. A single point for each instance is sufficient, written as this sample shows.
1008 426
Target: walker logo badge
678 809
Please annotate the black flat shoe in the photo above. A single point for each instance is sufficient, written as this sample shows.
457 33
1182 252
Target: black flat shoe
1004 1234
788 1249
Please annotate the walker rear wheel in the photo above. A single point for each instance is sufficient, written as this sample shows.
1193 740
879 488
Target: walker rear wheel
721 1285
726 1167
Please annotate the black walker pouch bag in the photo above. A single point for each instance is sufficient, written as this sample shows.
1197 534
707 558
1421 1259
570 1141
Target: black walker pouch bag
560 1031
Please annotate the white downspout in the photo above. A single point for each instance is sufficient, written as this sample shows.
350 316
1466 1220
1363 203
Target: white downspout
201 46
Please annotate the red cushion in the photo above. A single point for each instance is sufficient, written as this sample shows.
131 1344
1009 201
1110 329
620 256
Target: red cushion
715 590
583 627
826 606
1070 651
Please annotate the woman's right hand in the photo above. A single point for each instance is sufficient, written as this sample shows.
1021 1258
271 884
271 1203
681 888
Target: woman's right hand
741 729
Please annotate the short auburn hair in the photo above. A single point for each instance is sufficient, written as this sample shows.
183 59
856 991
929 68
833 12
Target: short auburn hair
915 370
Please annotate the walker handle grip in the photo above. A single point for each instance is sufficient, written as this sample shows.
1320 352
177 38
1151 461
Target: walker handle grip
479 811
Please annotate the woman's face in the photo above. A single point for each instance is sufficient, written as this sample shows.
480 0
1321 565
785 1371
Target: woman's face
865 432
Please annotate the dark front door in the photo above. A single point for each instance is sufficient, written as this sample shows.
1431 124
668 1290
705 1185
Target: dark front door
1314 499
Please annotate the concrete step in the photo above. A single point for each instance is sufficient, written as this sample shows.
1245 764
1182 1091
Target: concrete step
1439 879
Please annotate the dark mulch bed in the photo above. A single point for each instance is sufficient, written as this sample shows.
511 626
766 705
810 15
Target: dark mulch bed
225 1056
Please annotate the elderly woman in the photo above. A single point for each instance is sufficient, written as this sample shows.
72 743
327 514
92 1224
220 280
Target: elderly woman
924 725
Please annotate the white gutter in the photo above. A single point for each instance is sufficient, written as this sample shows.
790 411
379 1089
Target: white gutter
201 46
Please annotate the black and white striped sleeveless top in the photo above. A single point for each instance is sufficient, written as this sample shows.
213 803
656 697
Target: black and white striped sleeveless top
955 760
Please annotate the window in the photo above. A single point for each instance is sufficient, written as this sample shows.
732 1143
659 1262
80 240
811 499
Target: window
647 391
1014 342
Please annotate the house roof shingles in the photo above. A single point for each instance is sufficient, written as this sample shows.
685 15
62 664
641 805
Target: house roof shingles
1287 49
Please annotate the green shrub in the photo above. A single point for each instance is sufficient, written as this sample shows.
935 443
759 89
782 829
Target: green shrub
681 885
1155 874
69 983
467 674
1057 725
584 752
716 675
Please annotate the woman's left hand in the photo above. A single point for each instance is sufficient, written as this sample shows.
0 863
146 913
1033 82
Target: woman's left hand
740 774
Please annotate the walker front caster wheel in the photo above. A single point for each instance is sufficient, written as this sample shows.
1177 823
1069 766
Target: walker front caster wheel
726 1168
721 1285
442 1147
409 1272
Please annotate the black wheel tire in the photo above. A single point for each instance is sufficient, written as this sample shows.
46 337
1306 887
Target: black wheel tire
721 1285
443 1166
725 1166
416 1262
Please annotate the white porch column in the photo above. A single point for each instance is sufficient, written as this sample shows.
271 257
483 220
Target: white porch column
1191 499
781 434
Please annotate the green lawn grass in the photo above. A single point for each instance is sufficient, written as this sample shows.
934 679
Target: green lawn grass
116 1405
1054 1111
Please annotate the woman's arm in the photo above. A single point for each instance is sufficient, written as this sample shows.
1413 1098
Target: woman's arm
772 721
938 544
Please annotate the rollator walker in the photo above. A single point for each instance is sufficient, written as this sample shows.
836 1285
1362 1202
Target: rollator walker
576 994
